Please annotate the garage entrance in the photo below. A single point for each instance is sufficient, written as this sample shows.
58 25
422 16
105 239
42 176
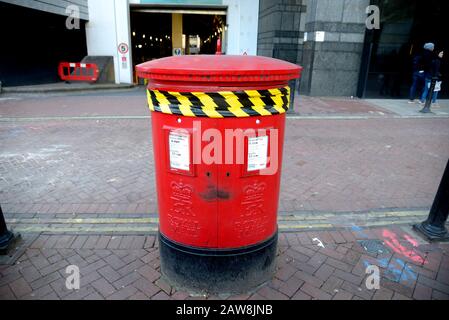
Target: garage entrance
158 32
33 44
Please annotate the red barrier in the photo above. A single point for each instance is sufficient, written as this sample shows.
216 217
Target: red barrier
77 71
218 47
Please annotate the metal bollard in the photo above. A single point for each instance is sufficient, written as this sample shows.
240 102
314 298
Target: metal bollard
6 236
292 85
434 227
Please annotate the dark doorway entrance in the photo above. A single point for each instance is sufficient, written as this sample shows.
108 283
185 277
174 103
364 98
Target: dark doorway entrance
206 29
151 32
151 36
33 44
406 25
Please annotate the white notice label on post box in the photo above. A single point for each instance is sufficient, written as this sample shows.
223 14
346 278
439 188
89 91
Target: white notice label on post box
179 148
257 153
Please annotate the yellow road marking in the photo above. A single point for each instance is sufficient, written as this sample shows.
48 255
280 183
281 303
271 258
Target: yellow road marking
150 224
84 221
37 229
281 218
154 228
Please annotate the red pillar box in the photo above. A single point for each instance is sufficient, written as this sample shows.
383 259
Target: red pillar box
218 130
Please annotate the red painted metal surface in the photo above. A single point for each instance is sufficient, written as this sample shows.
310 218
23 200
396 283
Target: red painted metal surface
216 205
249 215
216 72
77 71
185 215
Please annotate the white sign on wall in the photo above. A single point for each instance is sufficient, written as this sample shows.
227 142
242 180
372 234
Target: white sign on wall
319 36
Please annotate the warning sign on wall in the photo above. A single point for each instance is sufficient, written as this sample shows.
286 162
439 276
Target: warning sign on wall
177 51
179 149
257 153
122 48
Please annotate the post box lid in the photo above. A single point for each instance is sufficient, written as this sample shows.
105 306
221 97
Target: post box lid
218 68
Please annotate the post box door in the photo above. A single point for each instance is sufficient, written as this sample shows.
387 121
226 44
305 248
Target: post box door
187 202
247 211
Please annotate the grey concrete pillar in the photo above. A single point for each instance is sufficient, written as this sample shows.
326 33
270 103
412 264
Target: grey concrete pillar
279 31
332 66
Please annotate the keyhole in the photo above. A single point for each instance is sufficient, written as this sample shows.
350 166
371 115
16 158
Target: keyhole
228 174
208 174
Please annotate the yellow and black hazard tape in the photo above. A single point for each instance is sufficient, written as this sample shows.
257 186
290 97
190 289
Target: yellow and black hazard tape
221 104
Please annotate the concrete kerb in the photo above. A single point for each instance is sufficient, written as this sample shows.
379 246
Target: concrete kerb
64 89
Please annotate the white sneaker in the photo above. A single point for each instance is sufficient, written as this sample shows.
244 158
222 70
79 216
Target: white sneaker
411 101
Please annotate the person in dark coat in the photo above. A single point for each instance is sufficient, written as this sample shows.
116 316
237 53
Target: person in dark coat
434 71
421 69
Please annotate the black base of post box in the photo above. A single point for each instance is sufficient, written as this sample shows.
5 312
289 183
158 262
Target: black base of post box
215 271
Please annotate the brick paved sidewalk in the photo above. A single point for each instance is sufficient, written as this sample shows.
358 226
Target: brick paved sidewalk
96 161
127 267
106 167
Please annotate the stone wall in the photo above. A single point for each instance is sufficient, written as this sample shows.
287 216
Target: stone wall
280 25
331 67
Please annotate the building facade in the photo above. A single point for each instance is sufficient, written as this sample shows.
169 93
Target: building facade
342 54
111 24
125 30
35 39
329 38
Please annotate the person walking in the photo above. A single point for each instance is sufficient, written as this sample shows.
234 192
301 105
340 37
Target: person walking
436 71
430 69
422 65
418 76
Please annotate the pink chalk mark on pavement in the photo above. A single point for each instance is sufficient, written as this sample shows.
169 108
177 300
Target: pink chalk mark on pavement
393 243
411 240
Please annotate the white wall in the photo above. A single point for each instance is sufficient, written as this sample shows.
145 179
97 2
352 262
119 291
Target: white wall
242 20
108 26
